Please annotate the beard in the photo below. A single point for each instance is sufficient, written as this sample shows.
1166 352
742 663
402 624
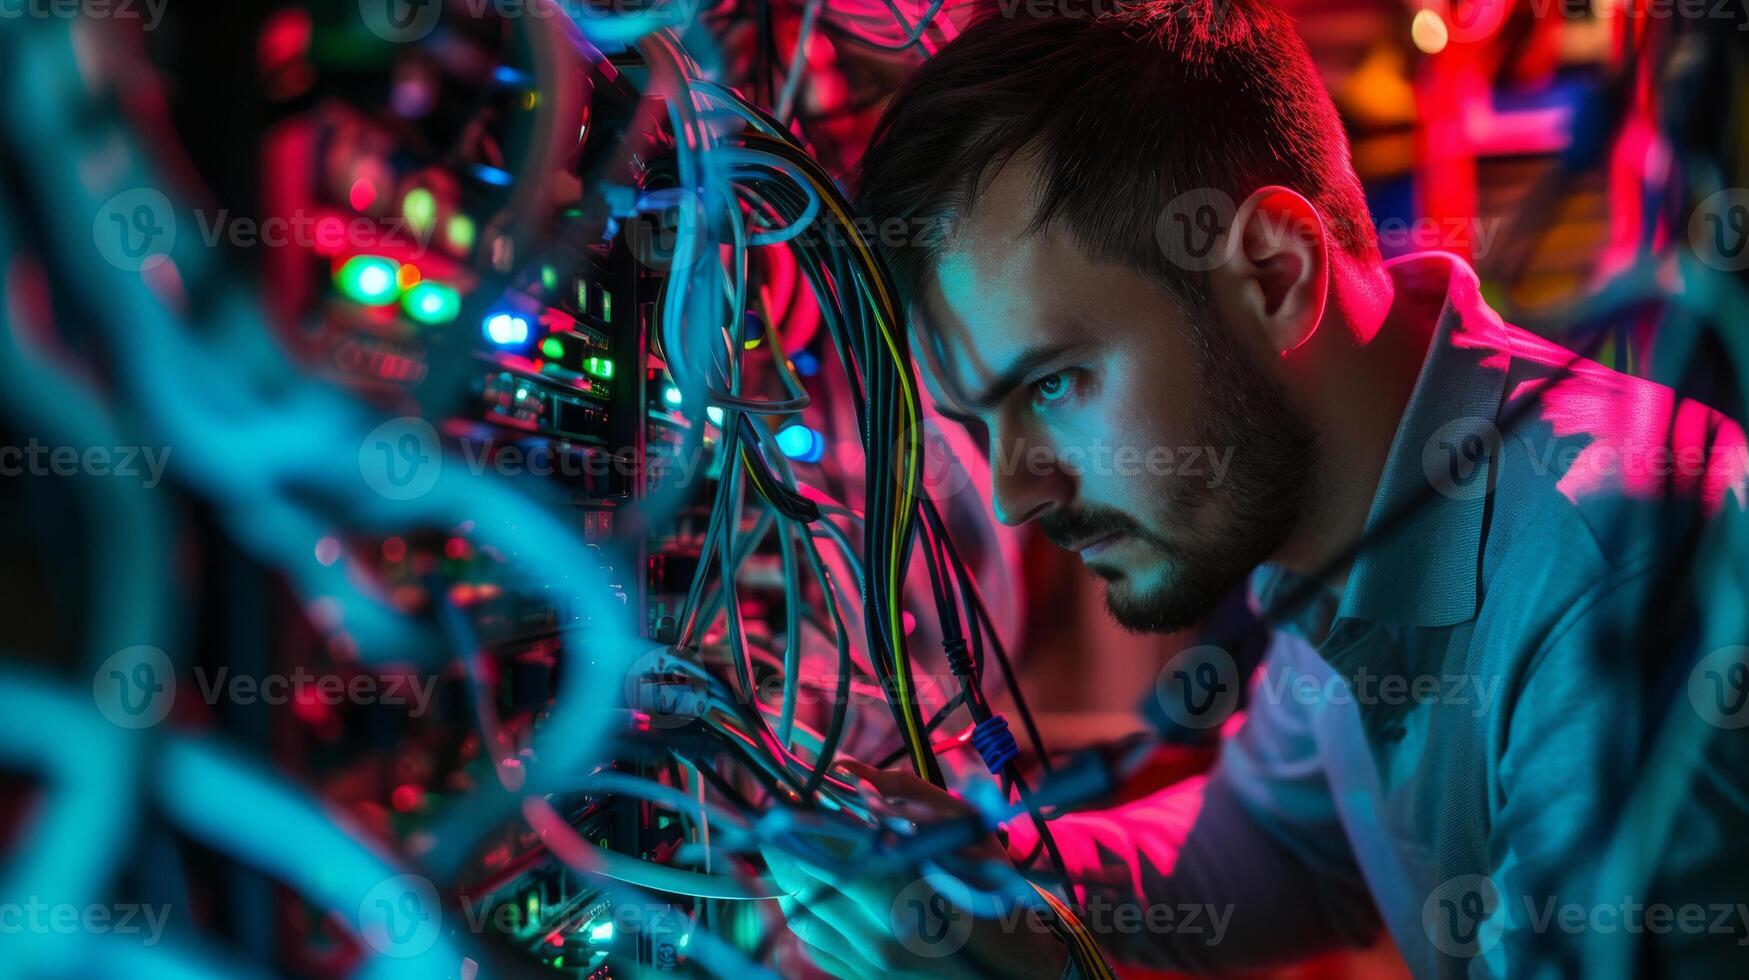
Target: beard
1219 532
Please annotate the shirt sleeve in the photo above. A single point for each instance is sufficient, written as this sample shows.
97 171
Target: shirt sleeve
1245 867
1573 778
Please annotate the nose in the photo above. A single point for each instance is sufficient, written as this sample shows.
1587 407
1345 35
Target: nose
1027 481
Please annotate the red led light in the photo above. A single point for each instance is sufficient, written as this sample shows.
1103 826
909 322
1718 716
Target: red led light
362 195
310 710
406 797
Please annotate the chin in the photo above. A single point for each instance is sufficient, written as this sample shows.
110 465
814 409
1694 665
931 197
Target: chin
1166 598
1146 602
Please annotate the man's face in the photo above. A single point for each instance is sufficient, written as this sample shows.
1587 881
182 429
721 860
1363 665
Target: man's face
1141 434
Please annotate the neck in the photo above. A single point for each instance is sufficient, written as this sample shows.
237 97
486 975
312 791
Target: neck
1355 381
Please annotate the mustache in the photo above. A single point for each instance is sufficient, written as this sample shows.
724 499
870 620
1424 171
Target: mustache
1067 528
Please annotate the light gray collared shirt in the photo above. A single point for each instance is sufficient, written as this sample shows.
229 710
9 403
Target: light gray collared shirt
1438 749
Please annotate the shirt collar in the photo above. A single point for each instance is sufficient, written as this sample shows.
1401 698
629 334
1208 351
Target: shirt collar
1421 561
1424 529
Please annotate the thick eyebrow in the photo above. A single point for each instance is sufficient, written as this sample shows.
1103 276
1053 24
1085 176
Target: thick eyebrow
1013 376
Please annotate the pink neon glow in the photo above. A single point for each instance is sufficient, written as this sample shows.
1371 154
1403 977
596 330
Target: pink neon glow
1151 832
1640 439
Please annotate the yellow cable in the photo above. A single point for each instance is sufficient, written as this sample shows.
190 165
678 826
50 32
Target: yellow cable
1083 947
1085 950
885 308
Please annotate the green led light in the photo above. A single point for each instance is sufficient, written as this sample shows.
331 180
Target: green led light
600 367
420 207
461 232
432 303
369 279
607 306
549 277
553 348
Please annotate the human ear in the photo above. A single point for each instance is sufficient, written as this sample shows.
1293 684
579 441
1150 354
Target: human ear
1277 274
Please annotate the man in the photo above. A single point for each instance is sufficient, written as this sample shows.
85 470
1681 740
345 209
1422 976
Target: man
1153 237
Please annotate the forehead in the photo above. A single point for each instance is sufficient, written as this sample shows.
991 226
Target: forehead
999 288
1001 292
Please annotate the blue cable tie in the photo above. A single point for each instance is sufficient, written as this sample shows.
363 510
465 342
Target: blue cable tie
995 743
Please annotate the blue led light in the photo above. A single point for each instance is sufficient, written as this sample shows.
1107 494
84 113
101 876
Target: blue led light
807 365
492 175
506 329
802 444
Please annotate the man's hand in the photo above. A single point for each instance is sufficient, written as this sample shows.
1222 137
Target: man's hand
898 926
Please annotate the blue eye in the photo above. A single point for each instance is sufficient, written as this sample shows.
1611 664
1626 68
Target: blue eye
1051 387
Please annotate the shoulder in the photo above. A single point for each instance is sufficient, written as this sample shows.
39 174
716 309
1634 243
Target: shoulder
1600 475
1593 460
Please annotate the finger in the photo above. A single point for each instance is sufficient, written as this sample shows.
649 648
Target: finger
858 929
934 802
858 902
793 875
831 965
907 786
823 938
864 919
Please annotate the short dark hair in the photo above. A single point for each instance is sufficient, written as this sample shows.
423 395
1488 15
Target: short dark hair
1126 110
